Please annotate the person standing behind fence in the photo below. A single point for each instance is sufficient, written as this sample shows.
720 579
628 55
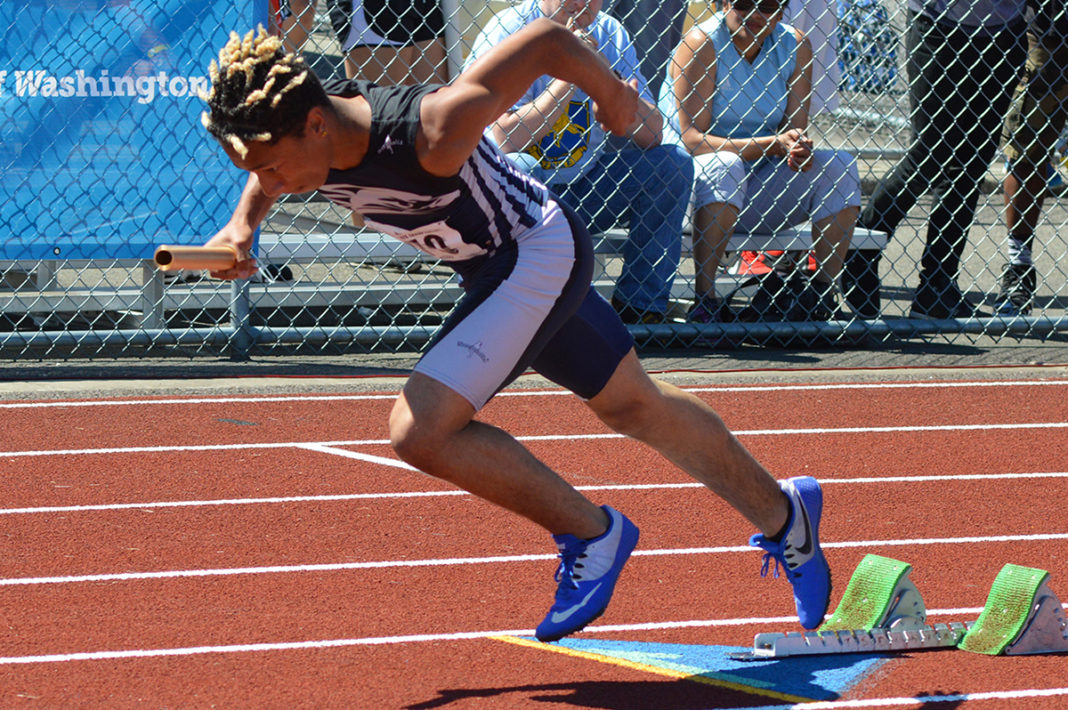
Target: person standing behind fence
737 95
384 41
1031 132
817 20
964 57
551 133
655 26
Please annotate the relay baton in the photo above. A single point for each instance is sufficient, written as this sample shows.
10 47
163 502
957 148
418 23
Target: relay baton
173 257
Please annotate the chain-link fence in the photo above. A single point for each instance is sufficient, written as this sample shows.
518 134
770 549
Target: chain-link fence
103 157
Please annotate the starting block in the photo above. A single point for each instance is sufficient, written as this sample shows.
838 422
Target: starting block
883 611
1022 616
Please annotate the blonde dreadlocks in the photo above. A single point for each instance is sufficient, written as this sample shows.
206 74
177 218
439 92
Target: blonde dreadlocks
259 92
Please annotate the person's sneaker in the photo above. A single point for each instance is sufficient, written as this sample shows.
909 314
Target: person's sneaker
1018 283
799 553
815 302
635 316
942 301
705 310
587 575
860 282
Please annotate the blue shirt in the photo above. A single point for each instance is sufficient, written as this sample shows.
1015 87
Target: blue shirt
577 138
750 98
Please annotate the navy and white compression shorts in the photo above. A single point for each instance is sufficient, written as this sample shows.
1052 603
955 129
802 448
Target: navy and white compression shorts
531 306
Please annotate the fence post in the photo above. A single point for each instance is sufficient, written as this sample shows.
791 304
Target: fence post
241 320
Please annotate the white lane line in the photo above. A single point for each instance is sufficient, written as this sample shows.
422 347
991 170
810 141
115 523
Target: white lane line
390 495
501 559
414 638
254 399
188 448
919 700
545 437
230 501
345 453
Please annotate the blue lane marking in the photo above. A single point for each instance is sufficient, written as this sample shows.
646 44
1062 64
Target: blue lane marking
817 677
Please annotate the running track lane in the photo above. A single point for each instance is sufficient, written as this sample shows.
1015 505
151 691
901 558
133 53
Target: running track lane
384 623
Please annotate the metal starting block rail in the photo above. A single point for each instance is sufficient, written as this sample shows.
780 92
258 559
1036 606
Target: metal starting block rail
882 611
815 643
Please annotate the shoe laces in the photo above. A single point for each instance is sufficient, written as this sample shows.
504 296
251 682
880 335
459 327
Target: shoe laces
567 572
768 557
780 552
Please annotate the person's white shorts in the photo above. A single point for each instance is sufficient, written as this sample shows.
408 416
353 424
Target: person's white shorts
770 196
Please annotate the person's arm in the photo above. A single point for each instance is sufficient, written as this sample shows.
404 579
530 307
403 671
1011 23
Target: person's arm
516 130
648 128
454 117
530 123
798 98
299 25
799 87
240 231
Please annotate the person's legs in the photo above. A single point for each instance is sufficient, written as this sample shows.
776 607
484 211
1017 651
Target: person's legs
975 126
1024 188
713 225
1031 131
690 434
720 192
828 194
655 26
899 191
427 63
525 308
433 428
830 241
651 187
929 153
834 206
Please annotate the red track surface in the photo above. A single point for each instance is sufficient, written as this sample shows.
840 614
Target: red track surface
112 596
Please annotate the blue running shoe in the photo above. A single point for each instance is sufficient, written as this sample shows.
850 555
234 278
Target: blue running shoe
587 575
799 551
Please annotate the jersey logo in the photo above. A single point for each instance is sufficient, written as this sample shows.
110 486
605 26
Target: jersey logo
383 201
387 145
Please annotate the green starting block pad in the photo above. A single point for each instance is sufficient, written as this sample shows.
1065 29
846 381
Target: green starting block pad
881 610
1022 616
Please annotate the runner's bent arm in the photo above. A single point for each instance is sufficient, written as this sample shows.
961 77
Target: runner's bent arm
453 118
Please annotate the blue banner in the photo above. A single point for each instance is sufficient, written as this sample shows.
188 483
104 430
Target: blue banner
102 153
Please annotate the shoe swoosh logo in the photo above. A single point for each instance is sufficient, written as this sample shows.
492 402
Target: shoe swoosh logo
558 616
806 547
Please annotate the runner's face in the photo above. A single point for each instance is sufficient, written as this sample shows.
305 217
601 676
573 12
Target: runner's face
291 166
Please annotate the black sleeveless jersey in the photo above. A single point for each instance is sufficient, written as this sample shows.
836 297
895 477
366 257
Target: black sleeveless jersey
458 218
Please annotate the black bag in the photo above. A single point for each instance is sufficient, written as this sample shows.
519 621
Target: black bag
775 299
